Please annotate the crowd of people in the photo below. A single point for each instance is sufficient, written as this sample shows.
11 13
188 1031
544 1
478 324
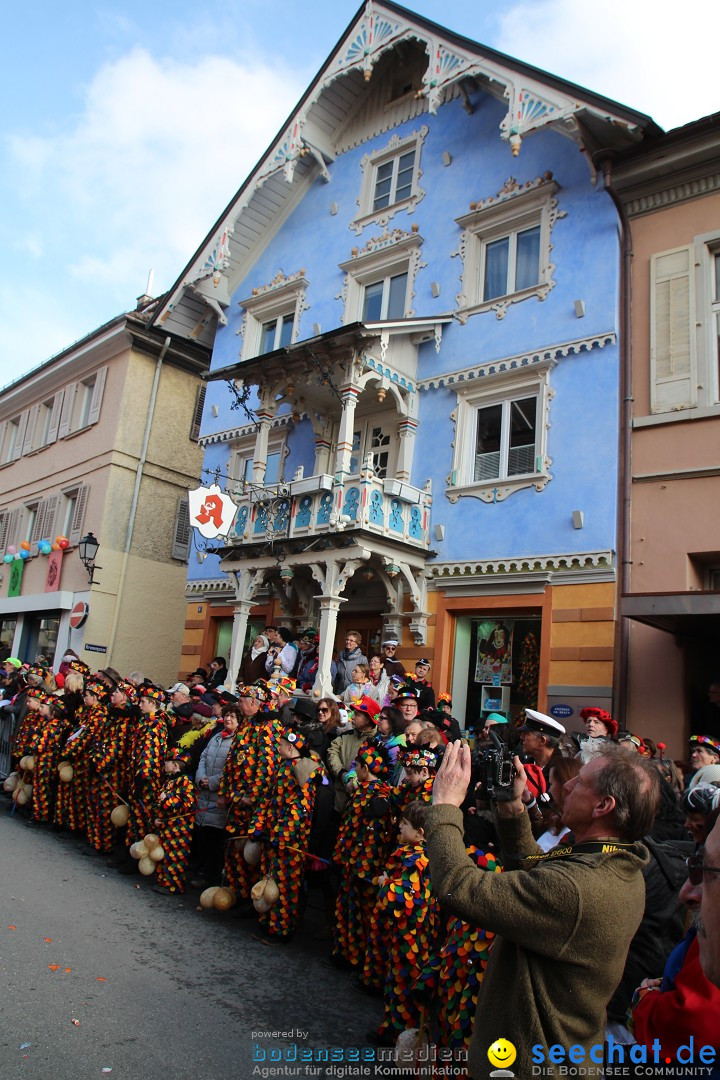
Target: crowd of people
436 863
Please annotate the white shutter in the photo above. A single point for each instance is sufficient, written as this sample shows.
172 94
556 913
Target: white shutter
76 524
20 436
182 531
97 396
48 523
672 331
30 429
67 410
11 537
3 430
4 522
55 418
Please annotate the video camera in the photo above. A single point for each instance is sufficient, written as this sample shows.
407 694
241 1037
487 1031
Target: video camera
496 770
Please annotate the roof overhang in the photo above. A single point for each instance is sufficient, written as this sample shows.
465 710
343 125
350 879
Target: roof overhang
695 614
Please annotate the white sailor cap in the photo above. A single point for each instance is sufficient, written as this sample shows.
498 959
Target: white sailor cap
541 723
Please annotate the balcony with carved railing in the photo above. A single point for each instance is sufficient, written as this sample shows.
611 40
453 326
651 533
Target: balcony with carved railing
308 507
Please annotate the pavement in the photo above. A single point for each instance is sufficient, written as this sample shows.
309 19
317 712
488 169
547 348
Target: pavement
101 977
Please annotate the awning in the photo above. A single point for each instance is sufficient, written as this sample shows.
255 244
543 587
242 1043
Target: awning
685 614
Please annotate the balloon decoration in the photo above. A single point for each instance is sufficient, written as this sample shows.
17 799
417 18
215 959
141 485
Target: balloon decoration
11 549
24 554
62 542
25 545
8 558
120 816
264 894
148 852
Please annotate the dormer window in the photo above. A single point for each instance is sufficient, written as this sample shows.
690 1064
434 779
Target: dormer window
390 181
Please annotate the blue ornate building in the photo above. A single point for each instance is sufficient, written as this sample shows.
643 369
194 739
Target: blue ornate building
413 397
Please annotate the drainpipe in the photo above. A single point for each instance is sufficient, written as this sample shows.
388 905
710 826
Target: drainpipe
624 533
135 498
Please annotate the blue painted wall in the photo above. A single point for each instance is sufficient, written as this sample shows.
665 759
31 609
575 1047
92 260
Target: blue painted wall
583 437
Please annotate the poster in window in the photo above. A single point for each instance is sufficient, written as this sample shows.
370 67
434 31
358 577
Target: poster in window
494 652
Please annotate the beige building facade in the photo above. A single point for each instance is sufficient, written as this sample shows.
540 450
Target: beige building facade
670 602
101 439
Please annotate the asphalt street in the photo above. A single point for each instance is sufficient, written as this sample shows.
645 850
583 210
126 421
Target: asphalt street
101 977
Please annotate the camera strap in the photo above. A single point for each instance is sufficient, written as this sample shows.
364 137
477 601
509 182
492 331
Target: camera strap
590 847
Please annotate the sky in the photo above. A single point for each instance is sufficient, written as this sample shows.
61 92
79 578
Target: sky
128 126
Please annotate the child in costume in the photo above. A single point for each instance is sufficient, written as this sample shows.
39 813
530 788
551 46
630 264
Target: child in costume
452 978
420 764
71 809
363 842
175 810
284 824
404 921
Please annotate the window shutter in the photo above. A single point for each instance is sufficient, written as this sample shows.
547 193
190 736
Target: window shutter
182 533
672 332
12 528
76 524
198 414
20 436
30 429
48 523
4 522
67 410
3 430
55 418
97 396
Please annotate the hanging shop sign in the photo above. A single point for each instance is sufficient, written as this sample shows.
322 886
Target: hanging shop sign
212 512
52 580
16 573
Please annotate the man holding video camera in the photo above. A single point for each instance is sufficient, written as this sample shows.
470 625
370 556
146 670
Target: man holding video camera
565 920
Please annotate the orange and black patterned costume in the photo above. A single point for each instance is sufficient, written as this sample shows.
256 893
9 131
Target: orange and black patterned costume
71 808
48 755
250 772
148 749
364 840
176 810
107 784
285 821
404 794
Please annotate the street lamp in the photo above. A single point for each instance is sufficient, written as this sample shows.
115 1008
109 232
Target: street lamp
87 550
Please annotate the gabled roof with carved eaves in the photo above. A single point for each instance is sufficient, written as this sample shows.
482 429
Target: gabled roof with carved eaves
331 116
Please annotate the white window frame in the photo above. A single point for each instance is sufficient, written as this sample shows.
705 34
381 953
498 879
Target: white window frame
382 258
515 209
283 296
363 426
496 390
11 439
243 452
393 151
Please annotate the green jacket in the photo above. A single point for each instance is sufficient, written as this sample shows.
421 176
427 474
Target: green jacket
564 929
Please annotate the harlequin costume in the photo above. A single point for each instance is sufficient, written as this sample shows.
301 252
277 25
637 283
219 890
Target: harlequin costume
48 754
404 921
249 773
453 976
284 823
29 727
364 839
109 758
148 750
176 811
71 808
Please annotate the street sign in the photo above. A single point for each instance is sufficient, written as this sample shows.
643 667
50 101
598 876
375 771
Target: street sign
96 648
78 615
561 712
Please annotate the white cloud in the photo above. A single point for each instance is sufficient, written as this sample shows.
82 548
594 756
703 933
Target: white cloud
643 54
157 152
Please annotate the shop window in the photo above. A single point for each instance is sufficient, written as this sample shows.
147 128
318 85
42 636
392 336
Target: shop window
504 666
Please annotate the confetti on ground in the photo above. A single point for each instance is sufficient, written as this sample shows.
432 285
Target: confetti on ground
48 939
107 1070
24 1046
100 979
75 1022
12 927
54 967
68 970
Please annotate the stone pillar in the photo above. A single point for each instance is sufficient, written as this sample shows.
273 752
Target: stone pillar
241 614
329 607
